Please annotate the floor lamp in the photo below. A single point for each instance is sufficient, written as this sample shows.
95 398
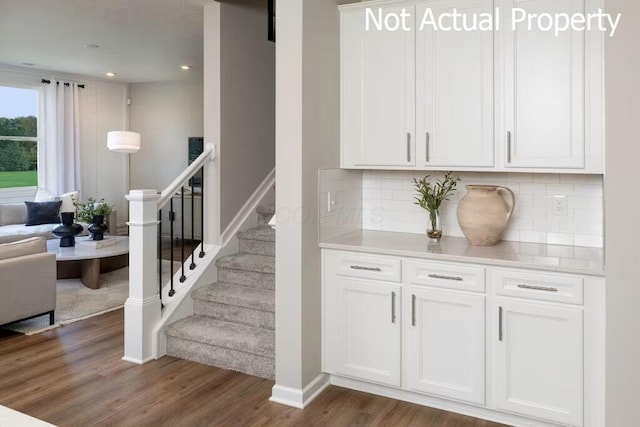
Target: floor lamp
122 141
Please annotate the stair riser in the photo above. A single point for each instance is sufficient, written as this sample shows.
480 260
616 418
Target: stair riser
263 219
230 313
247 278
225 358
257 247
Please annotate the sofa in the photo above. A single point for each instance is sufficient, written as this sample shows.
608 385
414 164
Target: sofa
13 217
27 280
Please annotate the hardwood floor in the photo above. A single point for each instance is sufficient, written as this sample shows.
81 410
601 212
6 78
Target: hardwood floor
73 376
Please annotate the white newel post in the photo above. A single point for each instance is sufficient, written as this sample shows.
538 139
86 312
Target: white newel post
142 310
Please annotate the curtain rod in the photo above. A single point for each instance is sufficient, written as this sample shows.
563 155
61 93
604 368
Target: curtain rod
81 86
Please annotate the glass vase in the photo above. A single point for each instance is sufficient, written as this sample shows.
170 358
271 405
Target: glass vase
434 227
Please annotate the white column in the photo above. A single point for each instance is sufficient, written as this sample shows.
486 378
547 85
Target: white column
142 309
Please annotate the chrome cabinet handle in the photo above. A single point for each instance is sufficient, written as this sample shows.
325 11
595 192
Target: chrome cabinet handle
359 267
438 276
408 146
509 147
413 310
538 288
499 323
427 137
393 307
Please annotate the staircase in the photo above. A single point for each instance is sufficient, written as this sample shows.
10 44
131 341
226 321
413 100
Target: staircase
234 321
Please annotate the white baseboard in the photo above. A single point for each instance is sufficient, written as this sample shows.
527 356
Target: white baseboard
299 398
137 361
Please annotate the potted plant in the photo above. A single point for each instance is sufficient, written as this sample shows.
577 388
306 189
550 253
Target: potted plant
94 212
431 197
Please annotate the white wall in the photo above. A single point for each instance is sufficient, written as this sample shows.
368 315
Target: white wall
103 108
247 75
166 114
307 135
621 216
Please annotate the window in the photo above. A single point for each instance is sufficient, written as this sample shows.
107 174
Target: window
18 137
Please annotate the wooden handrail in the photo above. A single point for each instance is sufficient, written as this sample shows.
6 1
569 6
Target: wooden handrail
208 154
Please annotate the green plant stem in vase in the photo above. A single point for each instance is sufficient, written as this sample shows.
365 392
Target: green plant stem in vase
430 197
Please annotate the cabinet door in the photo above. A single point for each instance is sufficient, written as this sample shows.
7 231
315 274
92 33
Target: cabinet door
362 330
544 89
454 89
445 343
377 87
538 361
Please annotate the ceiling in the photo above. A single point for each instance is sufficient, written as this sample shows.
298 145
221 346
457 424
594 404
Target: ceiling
139 40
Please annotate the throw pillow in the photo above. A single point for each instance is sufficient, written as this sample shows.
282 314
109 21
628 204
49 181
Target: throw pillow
68 200
43 212
43 195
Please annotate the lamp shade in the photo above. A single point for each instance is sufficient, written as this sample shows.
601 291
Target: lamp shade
123 141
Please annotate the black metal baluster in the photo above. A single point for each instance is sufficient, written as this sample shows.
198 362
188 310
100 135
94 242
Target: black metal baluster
172 217
183 277
160 255
201 255
193 226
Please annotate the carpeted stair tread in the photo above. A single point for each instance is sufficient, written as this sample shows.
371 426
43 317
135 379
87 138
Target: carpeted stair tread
263 234
233 336
248 262
252 279
267 209
239 296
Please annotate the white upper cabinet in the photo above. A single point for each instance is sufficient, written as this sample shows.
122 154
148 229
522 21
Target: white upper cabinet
377 90
454 89
543 89
510 98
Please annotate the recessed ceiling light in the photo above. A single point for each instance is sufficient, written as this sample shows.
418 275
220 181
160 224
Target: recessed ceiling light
110 74
185 67
91 46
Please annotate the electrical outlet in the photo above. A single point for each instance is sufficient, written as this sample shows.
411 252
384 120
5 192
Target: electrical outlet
559 206
331 201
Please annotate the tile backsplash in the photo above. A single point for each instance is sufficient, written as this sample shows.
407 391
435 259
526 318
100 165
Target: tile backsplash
387 205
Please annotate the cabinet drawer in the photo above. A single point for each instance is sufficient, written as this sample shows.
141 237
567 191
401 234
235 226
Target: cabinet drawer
367 266
445 275
540 286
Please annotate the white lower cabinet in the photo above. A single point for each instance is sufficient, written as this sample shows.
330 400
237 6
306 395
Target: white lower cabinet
363 330
444 342
519 346
538 360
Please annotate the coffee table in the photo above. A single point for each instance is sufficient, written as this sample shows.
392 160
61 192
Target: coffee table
88 263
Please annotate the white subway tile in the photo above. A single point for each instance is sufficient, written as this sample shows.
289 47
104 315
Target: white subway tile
546 178
588 241
542 201
533 189
392 184
559 189
520 177
532 212
403 195
588 190
559 239
577 202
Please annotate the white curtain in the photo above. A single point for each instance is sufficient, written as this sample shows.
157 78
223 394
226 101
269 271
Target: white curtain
61 138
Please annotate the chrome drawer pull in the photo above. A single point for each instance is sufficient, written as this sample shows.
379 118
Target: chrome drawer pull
538 288
438 276
413 310
499 323
393 307
359 267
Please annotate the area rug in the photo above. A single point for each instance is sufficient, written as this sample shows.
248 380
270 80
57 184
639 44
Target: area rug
77 302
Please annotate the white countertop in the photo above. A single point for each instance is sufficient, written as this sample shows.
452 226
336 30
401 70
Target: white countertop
564 259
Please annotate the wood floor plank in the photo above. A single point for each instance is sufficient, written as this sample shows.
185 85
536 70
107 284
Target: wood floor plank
74 376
